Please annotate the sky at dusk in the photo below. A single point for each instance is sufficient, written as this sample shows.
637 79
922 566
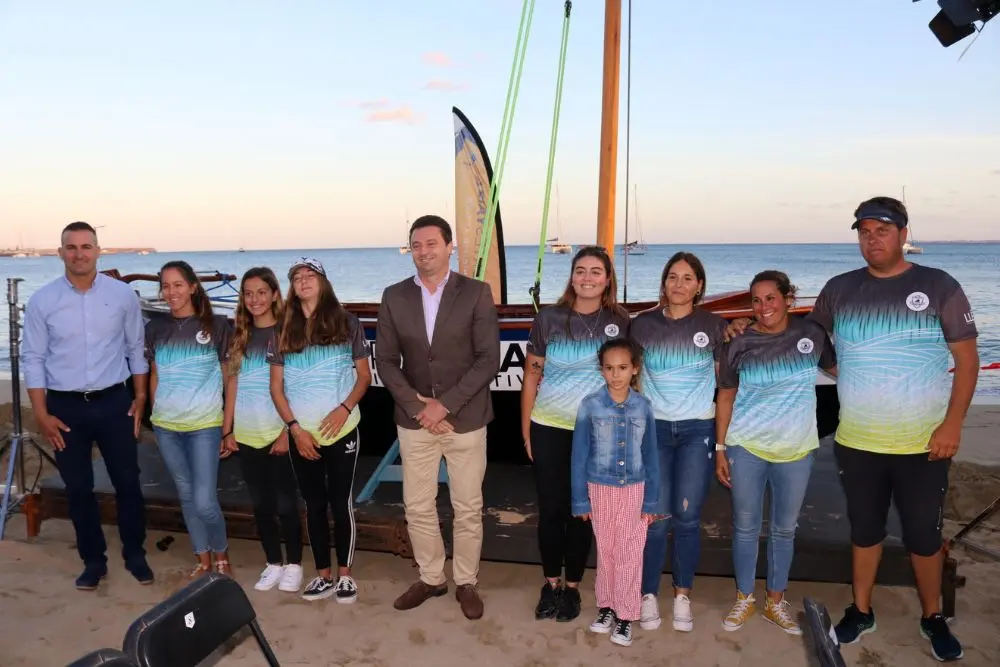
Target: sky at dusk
267 124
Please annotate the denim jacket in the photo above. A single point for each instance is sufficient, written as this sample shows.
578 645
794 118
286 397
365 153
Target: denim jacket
615 444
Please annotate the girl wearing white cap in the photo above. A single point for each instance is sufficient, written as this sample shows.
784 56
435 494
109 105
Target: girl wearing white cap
319 373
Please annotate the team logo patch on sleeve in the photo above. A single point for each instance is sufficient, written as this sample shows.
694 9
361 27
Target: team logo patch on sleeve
611 330
701 339
805 345
917 301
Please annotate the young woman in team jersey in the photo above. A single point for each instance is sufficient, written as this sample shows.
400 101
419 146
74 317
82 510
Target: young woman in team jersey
680 342
560 370
319 373
767 435
186 349
253 428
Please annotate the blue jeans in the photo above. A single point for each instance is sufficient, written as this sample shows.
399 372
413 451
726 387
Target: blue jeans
749 475
192 457
687 451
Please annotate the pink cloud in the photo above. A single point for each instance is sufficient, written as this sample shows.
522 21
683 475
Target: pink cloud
400 114
437 58
447 86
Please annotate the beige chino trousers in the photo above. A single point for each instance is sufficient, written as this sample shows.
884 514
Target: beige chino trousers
465 456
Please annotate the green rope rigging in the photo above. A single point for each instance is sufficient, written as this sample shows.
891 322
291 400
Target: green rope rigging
513 87
535 290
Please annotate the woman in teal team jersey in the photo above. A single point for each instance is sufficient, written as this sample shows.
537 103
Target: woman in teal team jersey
253 428
560 370
319 373
766 428
186 350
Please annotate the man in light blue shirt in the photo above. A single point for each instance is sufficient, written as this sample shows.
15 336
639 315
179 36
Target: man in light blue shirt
83 338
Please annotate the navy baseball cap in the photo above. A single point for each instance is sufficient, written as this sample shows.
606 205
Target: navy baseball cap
875 210
308 262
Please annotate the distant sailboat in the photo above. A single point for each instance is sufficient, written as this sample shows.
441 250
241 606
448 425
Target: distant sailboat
910 247
405 248
637 247
555 247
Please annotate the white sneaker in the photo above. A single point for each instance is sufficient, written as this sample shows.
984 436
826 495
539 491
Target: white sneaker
291 580
683 620
649 614
604 621
270 577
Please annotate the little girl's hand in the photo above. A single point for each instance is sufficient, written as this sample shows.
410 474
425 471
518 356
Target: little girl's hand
650 518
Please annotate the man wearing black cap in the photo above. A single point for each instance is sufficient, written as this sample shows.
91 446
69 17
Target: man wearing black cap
895 325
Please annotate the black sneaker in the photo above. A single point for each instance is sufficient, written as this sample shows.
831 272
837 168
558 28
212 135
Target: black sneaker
569 605
622 634
854 625
346 589
548 601
140 570
319 588
944 645
91 577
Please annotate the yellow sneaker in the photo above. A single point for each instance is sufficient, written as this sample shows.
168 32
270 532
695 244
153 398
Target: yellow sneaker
780 614
741 611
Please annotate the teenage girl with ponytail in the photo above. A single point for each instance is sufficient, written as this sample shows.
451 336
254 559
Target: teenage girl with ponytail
253 428
186 349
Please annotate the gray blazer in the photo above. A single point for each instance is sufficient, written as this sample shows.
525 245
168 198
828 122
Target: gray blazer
457 368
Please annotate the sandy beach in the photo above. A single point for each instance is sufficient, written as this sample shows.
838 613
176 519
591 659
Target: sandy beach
48 623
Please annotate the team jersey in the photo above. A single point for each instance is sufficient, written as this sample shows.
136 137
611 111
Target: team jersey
188 364
321 377
774 415
256 422
569 343
678 362
892 337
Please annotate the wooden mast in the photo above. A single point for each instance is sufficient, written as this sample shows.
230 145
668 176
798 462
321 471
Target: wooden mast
609 126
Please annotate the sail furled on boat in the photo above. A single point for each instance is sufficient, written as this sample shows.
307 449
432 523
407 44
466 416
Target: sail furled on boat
473 173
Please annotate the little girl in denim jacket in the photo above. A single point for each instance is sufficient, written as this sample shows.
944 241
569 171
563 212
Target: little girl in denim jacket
616 484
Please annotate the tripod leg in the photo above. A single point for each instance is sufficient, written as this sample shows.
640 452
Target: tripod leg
14 445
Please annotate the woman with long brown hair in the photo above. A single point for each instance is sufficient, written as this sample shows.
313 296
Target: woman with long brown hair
185 349
682 343
253 428
319 373
560 370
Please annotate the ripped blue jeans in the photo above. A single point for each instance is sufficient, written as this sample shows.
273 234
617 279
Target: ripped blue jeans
687 464
750 475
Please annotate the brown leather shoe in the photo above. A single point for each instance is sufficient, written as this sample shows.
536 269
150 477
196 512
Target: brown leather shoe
417 594
468 598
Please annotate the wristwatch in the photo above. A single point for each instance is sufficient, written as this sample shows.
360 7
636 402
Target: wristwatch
291 423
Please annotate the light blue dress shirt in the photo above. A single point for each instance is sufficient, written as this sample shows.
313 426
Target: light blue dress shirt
82 341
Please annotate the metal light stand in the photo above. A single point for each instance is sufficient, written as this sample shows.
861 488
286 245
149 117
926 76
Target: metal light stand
17 439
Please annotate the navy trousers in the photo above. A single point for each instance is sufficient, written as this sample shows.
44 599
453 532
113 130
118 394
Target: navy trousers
101 419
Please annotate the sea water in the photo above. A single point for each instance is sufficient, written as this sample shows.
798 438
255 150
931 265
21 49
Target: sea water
360 274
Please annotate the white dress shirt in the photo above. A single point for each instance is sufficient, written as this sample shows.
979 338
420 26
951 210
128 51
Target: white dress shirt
431 303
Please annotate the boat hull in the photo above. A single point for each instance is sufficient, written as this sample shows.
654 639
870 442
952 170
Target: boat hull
504 442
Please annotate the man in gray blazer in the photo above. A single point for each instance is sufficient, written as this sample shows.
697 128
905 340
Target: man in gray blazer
437 349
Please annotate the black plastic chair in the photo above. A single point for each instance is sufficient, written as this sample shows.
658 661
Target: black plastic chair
824 639
104 657
191 624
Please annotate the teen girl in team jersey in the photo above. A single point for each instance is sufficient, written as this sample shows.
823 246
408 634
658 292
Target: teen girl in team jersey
560 370
680 342
186 350
766 428
319 373
253 428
